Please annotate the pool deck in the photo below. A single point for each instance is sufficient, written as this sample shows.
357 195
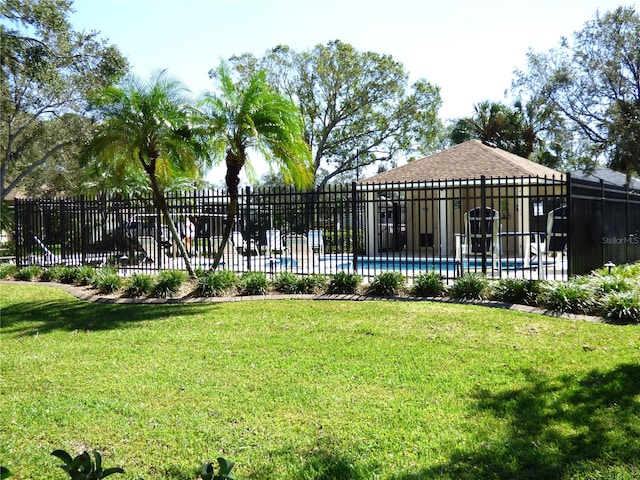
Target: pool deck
553 268
368 267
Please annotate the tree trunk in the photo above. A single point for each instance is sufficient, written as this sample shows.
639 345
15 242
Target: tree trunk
232 178
162 205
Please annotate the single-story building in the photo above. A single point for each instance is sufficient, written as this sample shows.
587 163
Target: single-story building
421 205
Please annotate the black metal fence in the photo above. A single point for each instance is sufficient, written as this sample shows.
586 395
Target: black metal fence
604 225
499 226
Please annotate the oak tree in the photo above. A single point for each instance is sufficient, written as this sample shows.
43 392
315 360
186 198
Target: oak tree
593 81
47 70
358 108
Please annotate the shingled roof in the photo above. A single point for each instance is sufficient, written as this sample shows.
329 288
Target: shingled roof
470 159
609 176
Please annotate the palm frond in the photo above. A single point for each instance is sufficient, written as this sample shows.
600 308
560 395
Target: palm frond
147 122
256 118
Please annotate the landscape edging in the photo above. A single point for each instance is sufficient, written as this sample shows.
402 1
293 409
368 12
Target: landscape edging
90 296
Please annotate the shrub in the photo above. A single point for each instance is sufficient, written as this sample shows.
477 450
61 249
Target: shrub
8 270
517 290
625 271
28 273
567 297
605 284
138 285
286 282
631 271
167 283
470 286
216 284
83 275
312 284
52 274
200 272
386 283
345 283
107 281
254 283
83 467
621 307
68 274
428 285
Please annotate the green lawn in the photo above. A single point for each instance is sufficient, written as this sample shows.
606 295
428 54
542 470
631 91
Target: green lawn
316 389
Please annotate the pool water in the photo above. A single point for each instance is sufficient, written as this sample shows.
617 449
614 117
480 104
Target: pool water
422 265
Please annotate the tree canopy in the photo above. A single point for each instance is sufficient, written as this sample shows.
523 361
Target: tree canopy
357 107
593 81
528 130
47 69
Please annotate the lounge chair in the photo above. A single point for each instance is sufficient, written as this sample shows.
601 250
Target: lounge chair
152 251
557 228
242 247
275 244
300 251
556 235
316 242
48 258
478 241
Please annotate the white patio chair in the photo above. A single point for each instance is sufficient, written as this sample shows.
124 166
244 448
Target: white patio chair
555 243
275 244
301 252
316 241
243 247
476 241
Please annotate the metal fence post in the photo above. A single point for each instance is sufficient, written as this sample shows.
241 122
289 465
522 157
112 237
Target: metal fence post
354 226
158 259
483 219
570 225
247 229
602 217
83 230
17 231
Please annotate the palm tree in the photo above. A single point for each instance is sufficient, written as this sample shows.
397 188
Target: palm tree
489 123
515 129
147 124
252 116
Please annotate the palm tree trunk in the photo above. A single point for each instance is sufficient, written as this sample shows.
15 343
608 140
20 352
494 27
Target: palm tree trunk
232 178
162 204
233 209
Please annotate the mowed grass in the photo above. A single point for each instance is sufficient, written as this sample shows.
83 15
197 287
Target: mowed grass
316 389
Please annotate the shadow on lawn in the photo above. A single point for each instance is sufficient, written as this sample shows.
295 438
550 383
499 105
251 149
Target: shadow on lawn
322 462
325 465
176 473
28 317
556 427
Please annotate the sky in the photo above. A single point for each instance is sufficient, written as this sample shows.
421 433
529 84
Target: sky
469 48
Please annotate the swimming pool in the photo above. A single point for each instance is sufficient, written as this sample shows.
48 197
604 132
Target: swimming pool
331 264
421 265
